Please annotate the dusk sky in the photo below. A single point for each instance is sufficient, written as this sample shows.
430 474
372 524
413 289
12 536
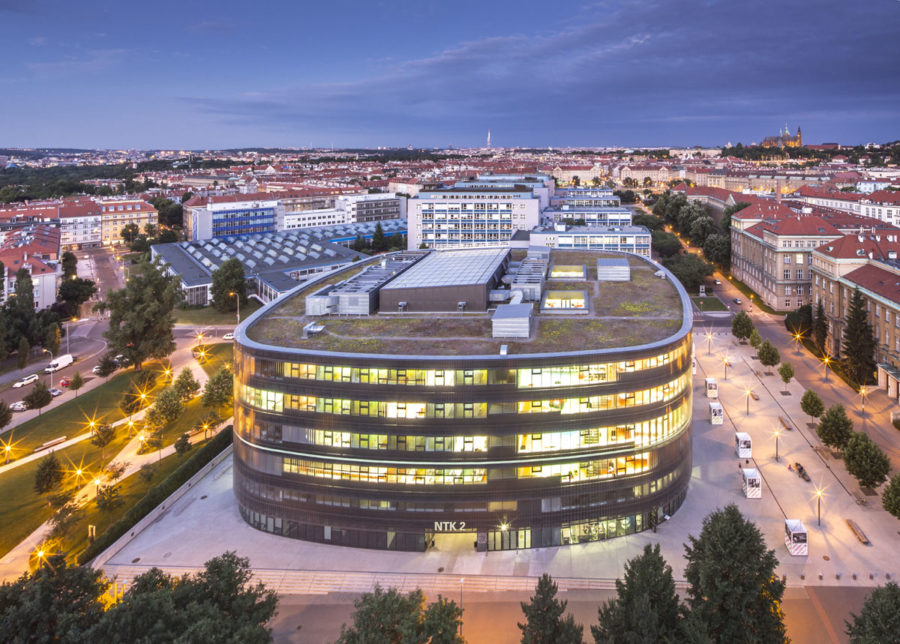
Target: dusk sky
114 74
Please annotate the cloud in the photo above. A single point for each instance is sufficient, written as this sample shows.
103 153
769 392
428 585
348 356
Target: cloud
37 41
91 62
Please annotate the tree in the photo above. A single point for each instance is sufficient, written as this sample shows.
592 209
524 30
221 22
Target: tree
49 474
859 341
820 328
835 428
701 228
130 233
379 242
183 445
811 405
75 292
150 230
186 385
755 339
786 371
733 590
141 315
768 354
689 269
386 616
69 265
168 405
106 366
5 414
646 606
55 603
544 621
108 498
717 249
24 290
76 382
742 326
865 461
879 620
228 279
799 321
219 390
104 434
890 498
38 398
665 244
22 353
53 339
649 221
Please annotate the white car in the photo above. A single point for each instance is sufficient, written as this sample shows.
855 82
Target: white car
228 336
56 392
19 406
27 380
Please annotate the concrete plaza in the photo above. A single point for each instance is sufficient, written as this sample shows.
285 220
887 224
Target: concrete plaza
205 521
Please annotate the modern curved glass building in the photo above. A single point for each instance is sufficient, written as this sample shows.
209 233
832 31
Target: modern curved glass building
425 395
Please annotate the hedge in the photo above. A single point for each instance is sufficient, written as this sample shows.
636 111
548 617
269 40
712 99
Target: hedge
158 493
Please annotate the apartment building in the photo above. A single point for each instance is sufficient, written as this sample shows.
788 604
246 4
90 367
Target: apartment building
80 224
36 249
589 215
372 207
827 198
117 213
883 205
585 198
462 217
629 239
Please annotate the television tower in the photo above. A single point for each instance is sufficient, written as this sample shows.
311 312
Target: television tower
489 140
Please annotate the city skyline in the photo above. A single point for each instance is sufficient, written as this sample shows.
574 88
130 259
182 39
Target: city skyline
393 74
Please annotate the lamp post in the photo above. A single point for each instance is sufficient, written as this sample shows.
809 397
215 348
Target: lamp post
725 364
862 394
797 338
68 333
51 362
748 393
97 486
237 298
826 360
7 449
708 343
819 506
777 434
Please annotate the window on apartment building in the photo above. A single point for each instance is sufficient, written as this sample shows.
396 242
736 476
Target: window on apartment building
787 259
798 258
787 273
799 275
787 290
787 304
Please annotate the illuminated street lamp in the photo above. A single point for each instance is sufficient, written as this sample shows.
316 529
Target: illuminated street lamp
708 343
819 505
97 485
92 424
725 364
748 393
862 393
777 434
68 330
827 361
797 337
237 299
130 427
51 362
7 448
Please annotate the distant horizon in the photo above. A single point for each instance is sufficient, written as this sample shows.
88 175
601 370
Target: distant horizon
611 73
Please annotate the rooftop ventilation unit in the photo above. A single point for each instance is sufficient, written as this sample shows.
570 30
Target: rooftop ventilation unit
401 306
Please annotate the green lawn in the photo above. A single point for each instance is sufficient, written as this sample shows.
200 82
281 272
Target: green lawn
22 510
217 356
209 316
131 490
709 303
71 418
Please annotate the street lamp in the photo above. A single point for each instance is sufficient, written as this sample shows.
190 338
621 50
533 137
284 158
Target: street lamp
51 362
708 343
97 485
819 505
827 361
7 448
92 424
725 364
777 434
797 337
237 298
130 427
68 333
748 393
862 393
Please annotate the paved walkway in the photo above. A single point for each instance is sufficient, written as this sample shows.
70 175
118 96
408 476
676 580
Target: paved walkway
205 522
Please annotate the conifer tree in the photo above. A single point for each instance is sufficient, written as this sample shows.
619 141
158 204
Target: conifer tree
859 341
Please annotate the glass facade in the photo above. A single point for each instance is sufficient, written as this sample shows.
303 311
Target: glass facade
520 451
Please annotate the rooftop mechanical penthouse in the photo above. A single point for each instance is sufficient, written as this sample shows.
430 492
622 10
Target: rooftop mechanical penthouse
529 398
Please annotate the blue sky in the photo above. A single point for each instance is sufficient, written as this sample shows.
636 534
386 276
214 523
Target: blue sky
221 74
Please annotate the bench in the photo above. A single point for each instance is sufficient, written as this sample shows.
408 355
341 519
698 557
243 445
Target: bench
863 539
55 441
785 424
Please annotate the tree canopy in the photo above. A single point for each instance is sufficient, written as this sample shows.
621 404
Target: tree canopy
141 315
544 617
879 619
733 589
811 404
742 326
859 341
229 284
866 461
690 270
835 427
768 354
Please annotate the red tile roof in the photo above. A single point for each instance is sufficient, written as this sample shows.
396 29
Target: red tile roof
876 280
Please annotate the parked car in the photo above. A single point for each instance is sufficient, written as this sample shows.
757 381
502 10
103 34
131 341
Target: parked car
65 382
228 336
121 361
27 380
738 300
96 370
61 362
56 392
717 282
19 406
